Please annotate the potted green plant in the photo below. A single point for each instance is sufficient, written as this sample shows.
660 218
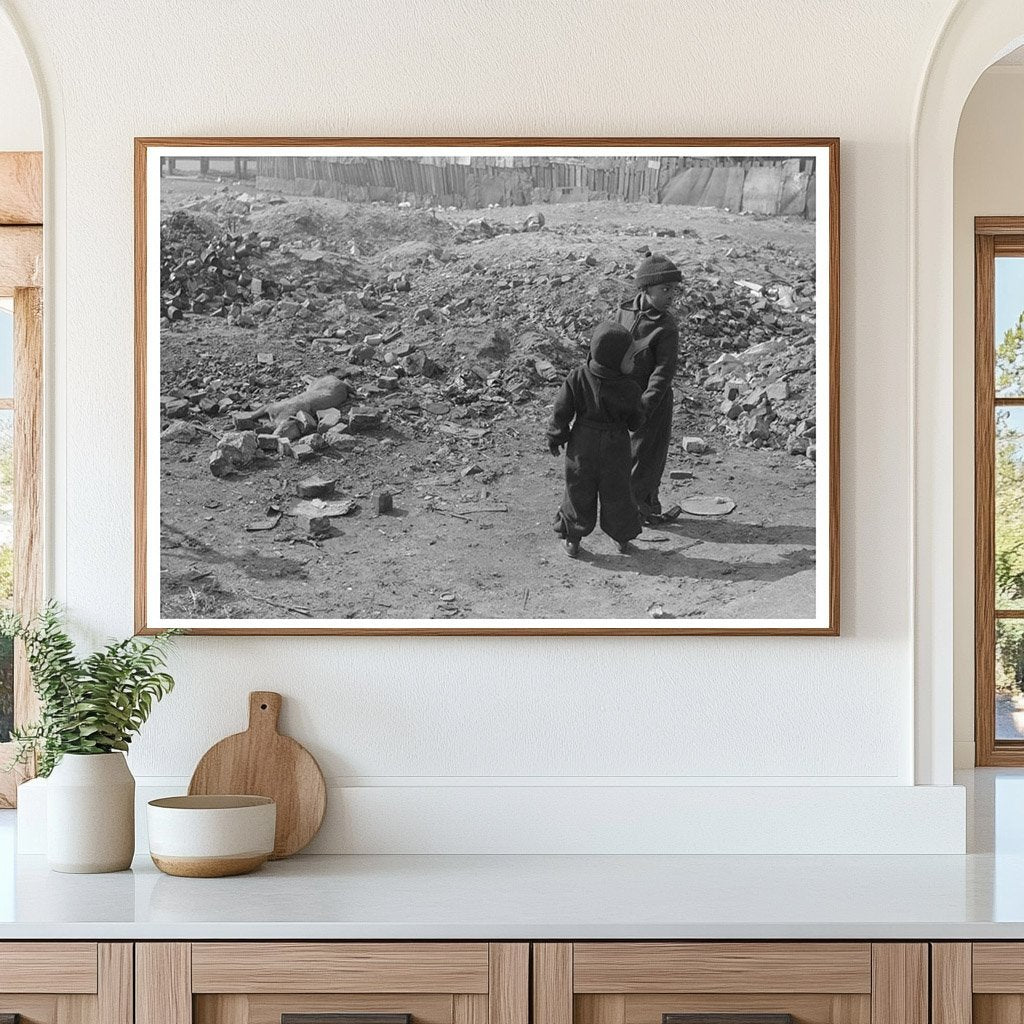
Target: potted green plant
89 710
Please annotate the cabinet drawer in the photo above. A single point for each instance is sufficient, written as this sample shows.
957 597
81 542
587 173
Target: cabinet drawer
730 983
635 967
332 983
65 967
340 967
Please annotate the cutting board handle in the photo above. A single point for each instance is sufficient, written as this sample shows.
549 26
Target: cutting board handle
264 710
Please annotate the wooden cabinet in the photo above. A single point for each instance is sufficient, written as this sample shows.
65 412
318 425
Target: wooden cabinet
66 982
752 982
978 983
264 982
494 983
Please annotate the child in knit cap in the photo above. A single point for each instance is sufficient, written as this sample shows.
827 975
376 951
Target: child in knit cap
595 410
655 333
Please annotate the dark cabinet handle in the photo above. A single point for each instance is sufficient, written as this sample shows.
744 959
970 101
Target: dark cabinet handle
339 1018
727 1018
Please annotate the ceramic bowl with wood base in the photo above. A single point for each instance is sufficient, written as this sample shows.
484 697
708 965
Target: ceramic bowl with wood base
211 836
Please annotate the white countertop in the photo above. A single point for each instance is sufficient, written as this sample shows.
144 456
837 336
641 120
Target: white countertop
517 897
977 896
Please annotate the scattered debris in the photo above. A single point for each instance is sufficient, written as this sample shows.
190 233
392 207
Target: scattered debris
328 509
267 523
316 487
707 506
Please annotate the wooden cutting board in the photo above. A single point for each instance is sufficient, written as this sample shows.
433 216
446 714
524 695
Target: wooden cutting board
262 762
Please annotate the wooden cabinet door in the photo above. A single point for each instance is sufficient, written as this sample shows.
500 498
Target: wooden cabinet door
66 982
730 983
978 983
332 983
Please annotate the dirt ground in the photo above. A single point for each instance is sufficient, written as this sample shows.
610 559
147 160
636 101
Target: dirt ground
474 487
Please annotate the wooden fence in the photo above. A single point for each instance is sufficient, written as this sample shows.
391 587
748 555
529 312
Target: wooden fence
768 186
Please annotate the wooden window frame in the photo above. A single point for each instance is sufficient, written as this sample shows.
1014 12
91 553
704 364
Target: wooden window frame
21 278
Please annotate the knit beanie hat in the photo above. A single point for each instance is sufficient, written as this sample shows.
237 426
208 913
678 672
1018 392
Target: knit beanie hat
609 344
656 270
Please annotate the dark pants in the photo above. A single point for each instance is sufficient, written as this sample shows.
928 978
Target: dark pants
597 465
650 453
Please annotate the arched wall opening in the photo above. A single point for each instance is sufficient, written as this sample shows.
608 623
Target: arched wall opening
976 35
986 182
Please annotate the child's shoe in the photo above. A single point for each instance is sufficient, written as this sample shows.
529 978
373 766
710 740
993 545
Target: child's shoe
572 548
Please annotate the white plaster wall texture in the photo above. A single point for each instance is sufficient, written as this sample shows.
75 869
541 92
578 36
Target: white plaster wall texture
989 155
693 710
21 126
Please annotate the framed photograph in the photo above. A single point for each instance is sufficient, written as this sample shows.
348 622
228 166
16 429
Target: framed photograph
498 386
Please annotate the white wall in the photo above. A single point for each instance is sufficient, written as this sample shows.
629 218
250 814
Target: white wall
21 126
987 182
450 713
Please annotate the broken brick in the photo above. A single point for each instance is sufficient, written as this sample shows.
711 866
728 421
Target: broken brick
316 487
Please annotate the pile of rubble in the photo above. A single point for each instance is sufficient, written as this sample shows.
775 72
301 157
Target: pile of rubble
422 333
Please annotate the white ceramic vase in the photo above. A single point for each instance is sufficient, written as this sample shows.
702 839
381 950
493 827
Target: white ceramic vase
90 814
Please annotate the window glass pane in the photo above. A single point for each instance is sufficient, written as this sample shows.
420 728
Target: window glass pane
6 573
1009 533
1009 679
6 353
1009 319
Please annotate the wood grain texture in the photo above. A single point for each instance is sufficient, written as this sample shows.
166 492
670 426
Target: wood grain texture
998 1009
143 614
115 996
21 188
899 991
65 967
268 1009
998 226
951 983
508 994
468 1009
728 1018
994 236
634 967
262 762
998 967
31 1009
21 259
208 867
142 625
984 502
304 967
11 780
163 983
28 483
224 1009
346 1018
805 1008
603 1009
76 1009
552 983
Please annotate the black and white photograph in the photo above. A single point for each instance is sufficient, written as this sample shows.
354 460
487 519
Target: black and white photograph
584 386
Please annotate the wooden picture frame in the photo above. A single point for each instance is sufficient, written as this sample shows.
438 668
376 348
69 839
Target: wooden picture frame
645 168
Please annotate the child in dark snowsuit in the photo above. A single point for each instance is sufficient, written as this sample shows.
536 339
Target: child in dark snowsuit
595 410
655 335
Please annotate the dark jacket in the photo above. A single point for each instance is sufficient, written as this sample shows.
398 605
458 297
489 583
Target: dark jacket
656 350
597 396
